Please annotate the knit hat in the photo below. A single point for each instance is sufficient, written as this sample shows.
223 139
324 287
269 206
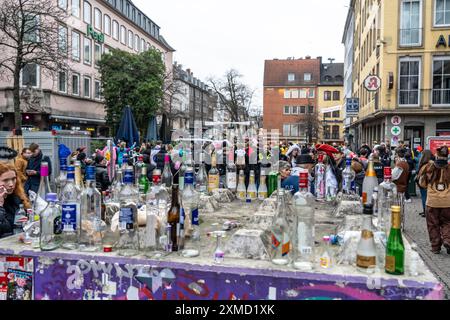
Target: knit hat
304 159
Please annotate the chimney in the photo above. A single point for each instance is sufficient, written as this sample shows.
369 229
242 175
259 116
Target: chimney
188 71
308 57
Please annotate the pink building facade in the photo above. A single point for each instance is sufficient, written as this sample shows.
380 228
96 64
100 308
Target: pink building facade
72 99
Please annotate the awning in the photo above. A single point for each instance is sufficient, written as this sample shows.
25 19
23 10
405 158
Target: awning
77 119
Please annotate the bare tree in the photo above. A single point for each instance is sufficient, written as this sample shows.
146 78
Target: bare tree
235 96
312 122
30 34
173 90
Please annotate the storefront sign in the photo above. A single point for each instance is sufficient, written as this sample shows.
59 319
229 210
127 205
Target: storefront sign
396 131
372 83
442 41
352 106
396 120
97 36
436 142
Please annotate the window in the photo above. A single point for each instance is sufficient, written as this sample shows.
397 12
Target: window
303 94
409 81
98 90
307 77
76 46
62 81
336 114
143 48
294 110
97 54
326 132
137 43
335 133
106 49
87 87
31 33
327 96
62 39
311 93
123 35
30 75
441 80
107 27
62 4
441 13
294 94
336 95
291 77
87 12
327 115
294 130
287 110
87 51
115 30
76 8
76 84
97 19
130 39
310 109
286 130
302 109
411 23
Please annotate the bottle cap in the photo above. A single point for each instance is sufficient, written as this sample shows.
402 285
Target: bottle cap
51 197
326 238
396 209
44 169
368 209
107 248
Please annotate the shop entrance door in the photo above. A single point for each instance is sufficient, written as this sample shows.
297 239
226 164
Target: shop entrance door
414 137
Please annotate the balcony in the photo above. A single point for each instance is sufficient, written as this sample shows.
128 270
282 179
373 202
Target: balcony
411 37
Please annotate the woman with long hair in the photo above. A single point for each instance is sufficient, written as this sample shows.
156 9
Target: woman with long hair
426 157
12 196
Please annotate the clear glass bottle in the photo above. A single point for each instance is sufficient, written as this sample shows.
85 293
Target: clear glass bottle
320 179
213 175
78 176
262 190
150 242
20 219
375 201
61 180
32 229
280 233
167 176
252 192
201 178
366 251
190 217
241 191
128 220
70 205
51 225
304 226
91 216
182 171
138 169
44 185
370 183
219 253
387 197
158 195
326 257
27 238
117 184
348 179
231 173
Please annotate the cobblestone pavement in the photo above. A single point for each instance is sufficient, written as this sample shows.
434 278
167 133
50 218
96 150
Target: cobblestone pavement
416 231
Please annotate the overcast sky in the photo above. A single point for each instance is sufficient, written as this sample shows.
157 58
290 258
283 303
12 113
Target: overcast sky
213 36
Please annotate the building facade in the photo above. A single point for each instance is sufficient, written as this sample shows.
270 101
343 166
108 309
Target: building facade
72 99
330 103
406 44
290 96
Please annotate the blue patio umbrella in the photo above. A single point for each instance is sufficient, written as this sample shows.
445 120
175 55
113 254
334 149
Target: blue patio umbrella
152 130
128 130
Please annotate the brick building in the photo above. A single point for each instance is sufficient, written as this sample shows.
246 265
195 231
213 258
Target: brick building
290 95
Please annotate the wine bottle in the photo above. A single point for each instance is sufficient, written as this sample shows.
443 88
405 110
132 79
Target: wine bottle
395 250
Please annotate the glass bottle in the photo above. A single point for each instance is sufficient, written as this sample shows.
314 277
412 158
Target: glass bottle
366 251
182 171
252 192
32 229
272 183
375 201
70 205
190 217
26 227
20 219
117 184
158 195
173 218
50 224
387 197
280 233
219 253
143 184
262 190
128 220
44 185
110 235
231 173
320 179
61 180
138 169
304 226
78 175
151 231
213 176
167 177
91 215
326 257
241 190
395 250
370 182
348 178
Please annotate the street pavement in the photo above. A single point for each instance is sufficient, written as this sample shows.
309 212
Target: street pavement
416 231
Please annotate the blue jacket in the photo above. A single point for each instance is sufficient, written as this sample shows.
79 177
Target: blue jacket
290 184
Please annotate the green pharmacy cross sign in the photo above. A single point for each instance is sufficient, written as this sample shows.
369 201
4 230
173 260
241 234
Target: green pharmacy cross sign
97 36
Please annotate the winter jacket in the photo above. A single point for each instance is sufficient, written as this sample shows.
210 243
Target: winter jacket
21 167
438 191
7 215
102 178
35 164
402 181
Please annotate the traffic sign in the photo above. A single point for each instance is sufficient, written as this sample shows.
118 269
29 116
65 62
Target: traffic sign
396 131
352 106
396 120
372 83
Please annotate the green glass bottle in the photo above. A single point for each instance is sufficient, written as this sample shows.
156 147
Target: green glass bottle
272 183
143 181
395 250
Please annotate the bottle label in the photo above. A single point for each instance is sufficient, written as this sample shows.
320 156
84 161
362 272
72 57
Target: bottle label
390 264
219 256
128 177
241 194
69 217
57 226
366 234
305 250
365 262
303 180
181 183
275 241
251 195
364 197
188 178
262 195
195 218
126 221
213 182
285 247
231 180
325 262
156 179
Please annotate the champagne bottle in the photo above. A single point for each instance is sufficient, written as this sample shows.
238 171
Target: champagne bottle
395 250
213 176
366 250
370 182
262 190
252 193
231 173
241 191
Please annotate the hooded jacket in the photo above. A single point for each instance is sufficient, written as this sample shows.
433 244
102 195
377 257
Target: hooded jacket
35 164
438 191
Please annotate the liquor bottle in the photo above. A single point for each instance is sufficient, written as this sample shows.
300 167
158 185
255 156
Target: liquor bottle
370 182
366 251
304 229
189 217
387 197
201 178
91 215
150 244
167 177
128 220
241 191
182 171
158 195
252 192
61 180
272 183
27 227
231 173
262 190
50 225
144 185
44 185
326 257
348 178
70 205
78 176
138 169
213 175
20 219
117 184
320 179
395 250
173 217
280 233
219 253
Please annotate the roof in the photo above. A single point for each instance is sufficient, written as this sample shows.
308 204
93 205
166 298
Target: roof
332 74
165 44
276 72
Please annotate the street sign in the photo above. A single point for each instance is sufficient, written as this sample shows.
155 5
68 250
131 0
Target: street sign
394 141
435 142
396 120
396 131
372 83
352 106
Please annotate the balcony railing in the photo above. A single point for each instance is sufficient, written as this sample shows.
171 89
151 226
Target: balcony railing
411 37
